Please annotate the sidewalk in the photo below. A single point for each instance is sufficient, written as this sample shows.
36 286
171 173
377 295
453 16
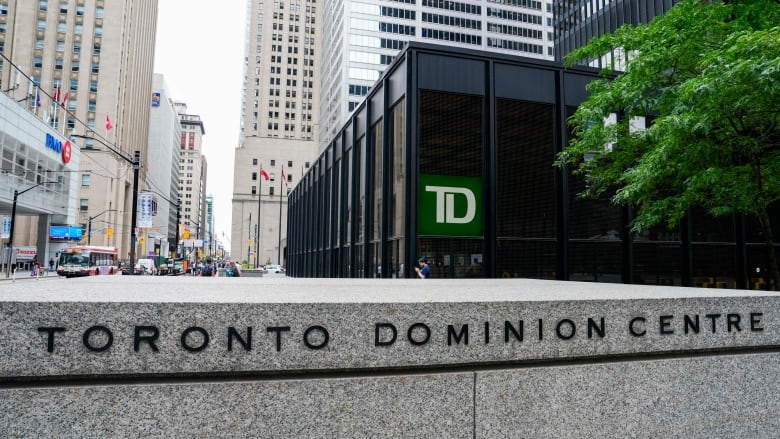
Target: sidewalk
25 276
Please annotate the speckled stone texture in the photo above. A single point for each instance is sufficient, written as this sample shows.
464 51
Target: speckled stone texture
725 396
128 356
319 325
420 406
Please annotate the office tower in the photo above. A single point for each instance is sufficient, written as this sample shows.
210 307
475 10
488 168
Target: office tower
192 173
95 58
361 38
579 21
163 171
278 124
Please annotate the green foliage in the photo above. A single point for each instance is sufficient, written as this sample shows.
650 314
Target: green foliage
708 76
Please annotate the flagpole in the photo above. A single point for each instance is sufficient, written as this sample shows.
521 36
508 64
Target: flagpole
259 203
279 248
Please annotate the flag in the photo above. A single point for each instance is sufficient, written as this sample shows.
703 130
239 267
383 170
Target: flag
65 100
108 123
37 98
283 178
57 94
264 174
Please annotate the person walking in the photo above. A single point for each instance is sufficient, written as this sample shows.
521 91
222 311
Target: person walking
208 269
422 269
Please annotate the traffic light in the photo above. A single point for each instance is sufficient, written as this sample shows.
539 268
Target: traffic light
141 240
109 232
186 234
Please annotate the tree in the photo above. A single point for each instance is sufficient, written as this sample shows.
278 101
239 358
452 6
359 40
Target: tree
707 76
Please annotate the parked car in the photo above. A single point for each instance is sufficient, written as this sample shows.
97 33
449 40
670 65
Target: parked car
272 268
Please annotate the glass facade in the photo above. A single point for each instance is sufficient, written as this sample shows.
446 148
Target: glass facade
455 164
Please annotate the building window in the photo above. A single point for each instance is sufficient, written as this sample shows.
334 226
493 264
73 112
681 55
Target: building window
84 204
271 190
273 162
254 176
254 190
254 162
84 180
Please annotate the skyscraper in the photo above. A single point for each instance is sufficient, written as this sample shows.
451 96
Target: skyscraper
279 121
579 21
192 173
97 58
362 37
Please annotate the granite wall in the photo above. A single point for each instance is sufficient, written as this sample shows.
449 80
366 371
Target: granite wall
288 358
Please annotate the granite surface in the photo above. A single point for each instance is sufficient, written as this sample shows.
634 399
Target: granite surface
128 356
725 396
123 325
414 406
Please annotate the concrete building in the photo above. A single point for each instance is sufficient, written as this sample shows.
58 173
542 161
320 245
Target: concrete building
193 170
361 38
95 60
278 125
162 172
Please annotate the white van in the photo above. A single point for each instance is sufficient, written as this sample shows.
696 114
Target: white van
145 266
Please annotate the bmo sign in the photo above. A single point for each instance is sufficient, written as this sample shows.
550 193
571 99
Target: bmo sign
63 148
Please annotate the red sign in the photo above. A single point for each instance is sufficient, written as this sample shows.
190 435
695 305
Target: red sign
66 152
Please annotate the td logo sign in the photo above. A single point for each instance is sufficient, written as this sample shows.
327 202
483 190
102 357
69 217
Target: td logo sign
450 206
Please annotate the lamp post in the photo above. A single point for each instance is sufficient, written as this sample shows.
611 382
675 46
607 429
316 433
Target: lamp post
89 224
13 221
136 162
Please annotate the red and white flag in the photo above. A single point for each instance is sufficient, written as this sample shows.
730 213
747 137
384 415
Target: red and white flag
264 174
57 94
108 123
65 99
283 178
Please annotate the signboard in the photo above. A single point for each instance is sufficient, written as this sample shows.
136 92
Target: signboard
6 232
26 253
450 205
66 233
145 210
156 99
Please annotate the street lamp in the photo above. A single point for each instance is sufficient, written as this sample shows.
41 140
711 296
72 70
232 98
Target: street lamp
13 221
136 162
89 224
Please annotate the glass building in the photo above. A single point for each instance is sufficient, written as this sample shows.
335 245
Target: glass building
451 156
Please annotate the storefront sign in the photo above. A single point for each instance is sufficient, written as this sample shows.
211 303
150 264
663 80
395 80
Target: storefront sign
450 205
63 148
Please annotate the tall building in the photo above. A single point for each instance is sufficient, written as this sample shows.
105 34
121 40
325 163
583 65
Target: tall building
578 21
162 172
94 57
361 38
192 174
278 123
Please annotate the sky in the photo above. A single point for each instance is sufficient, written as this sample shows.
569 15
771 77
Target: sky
200 51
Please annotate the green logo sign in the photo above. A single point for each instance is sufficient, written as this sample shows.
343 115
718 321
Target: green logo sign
450 206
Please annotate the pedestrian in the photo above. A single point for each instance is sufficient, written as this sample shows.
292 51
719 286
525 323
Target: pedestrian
208 269
34 267
423 269
51 264
233 270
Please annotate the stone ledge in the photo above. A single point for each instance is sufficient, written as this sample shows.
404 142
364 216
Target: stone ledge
511 322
